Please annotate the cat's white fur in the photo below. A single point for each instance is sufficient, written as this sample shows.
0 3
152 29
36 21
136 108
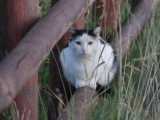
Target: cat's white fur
85 65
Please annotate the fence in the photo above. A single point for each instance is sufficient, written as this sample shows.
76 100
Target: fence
19 68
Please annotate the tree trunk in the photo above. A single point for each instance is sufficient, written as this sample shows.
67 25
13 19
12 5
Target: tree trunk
22 15
133 26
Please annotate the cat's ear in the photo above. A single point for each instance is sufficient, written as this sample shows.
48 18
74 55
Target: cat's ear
72 30
97 31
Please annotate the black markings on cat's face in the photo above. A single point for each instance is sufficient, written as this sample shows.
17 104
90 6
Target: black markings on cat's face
76 33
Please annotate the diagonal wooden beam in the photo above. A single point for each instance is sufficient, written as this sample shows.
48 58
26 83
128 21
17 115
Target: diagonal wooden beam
18 67
130 30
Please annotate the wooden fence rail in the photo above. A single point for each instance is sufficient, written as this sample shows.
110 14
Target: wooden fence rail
24 60
18 67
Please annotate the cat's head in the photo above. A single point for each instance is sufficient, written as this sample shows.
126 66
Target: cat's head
84 42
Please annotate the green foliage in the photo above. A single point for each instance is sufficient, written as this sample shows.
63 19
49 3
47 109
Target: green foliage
44 72
106 109
140 96
141 74
44 6
125 9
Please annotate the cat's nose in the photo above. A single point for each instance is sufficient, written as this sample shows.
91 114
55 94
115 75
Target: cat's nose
84 51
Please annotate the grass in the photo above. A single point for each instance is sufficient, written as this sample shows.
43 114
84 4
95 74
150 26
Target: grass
140 75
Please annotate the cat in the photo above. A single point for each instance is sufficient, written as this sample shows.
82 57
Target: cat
88 59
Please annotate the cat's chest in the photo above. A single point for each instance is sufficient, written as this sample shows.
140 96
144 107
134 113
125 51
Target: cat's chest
85 67
84 64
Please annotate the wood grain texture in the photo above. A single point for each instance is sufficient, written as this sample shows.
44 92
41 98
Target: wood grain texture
130 30
22 15
23 61
106 13
81 105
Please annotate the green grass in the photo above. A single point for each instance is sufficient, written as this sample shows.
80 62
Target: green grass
140 97
140 75
44 7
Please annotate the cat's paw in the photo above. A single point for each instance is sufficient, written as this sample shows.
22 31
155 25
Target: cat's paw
92 84
80 84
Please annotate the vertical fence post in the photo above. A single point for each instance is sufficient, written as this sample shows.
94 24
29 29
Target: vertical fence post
106 14
3 28
57 84
22 15
3 34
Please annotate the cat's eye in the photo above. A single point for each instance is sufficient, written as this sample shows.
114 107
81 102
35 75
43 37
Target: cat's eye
78 43
90 43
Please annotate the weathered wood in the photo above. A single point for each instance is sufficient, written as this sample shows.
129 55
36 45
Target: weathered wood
26 102
84 101
52 112
3 35
22 15
133 26
106 14
18 67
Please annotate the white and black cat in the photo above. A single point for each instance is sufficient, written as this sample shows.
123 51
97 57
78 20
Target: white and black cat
88 59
